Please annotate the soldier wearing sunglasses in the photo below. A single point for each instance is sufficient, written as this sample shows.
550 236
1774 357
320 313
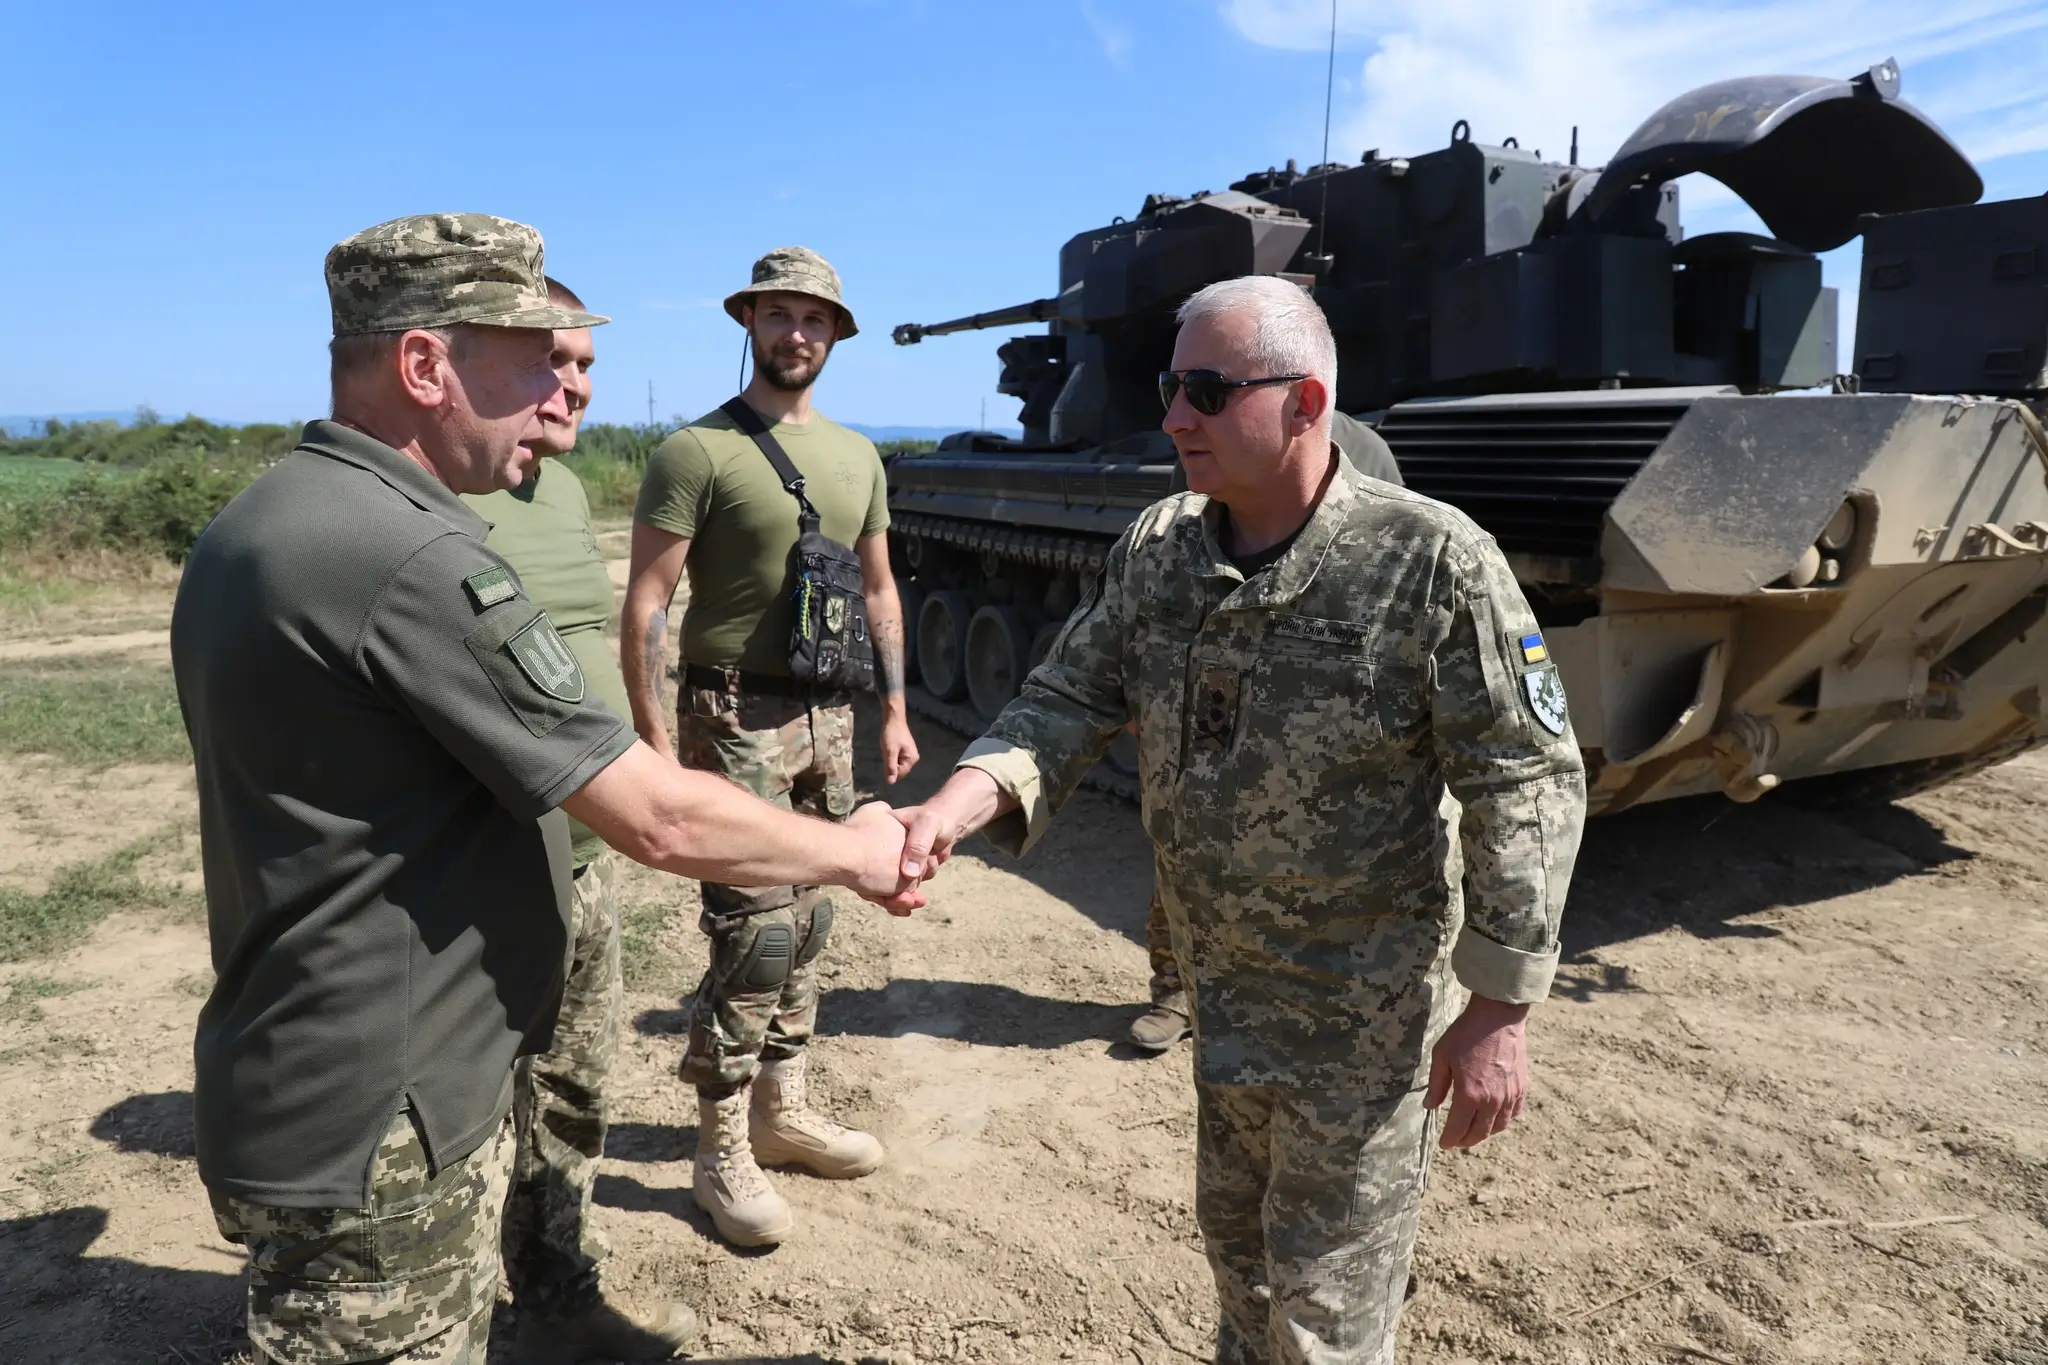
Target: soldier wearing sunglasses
1313 659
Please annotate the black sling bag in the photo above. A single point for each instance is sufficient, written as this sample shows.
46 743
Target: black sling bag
829 646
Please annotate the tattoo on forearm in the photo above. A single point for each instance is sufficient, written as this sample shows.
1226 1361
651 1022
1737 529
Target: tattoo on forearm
654 656
889 657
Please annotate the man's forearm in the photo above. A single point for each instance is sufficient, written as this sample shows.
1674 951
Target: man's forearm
965 805
643 660
885 625
699 825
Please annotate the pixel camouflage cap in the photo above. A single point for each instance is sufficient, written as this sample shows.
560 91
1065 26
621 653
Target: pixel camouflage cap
443 270
795 270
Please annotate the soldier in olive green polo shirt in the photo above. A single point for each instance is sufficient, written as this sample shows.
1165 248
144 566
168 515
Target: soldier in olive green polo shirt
386 731
712 503
554 1250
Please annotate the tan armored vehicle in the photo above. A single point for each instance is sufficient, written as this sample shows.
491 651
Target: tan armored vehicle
1744 585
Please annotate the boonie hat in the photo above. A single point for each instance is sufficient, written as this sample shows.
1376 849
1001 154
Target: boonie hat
795 270
443 270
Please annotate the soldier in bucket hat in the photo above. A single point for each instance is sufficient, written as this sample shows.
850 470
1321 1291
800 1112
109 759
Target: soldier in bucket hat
713 503
387 732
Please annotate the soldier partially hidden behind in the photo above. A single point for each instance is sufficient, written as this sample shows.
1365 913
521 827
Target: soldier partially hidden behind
714 503
385 730
553 1247
1312 657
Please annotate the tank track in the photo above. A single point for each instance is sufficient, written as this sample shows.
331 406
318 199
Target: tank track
1046 549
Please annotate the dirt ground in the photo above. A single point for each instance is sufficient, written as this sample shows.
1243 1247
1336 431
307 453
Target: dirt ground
1788 1106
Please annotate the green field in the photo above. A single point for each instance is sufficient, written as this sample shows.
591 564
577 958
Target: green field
32 474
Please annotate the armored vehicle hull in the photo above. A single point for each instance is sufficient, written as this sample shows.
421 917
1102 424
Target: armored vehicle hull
1743 588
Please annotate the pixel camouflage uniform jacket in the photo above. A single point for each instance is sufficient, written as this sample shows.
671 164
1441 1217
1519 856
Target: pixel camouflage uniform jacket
1297 734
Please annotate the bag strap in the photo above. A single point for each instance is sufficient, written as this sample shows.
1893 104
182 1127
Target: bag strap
749 421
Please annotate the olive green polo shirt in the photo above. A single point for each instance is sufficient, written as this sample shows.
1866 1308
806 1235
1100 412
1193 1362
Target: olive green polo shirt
711 484
543 529
383 726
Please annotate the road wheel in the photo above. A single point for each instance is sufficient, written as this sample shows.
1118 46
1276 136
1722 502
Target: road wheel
912 598
942 643
1041 645
998 648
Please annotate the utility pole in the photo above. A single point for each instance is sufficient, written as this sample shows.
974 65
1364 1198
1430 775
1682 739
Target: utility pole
650 402
984 412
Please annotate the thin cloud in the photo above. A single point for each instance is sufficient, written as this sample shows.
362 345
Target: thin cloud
1534 69
1112 36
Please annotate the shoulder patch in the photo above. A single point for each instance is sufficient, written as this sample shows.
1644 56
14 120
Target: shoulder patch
1545 694
489 588
547 661
1321 631
1526 647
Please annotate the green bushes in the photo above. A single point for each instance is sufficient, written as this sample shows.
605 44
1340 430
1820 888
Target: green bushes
159 509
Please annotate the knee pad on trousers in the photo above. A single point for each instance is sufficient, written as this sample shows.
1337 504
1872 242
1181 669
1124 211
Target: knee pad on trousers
768 959
821 929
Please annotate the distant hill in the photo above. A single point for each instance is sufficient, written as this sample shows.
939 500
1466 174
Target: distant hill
924 433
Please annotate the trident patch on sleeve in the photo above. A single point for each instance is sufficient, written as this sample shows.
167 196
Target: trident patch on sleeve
547 661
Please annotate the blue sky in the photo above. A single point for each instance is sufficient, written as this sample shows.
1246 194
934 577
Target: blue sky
173 174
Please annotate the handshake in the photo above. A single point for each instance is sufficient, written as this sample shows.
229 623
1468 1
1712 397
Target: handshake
903 848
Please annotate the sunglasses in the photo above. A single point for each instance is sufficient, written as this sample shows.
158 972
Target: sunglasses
1208 390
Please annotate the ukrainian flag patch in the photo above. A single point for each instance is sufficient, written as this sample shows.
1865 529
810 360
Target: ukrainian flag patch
1533 651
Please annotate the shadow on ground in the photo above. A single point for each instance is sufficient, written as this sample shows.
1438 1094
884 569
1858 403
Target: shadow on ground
160 1124
59 1304
1706 865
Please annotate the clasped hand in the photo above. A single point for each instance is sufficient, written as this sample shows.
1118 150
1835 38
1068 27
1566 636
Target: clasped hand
880 876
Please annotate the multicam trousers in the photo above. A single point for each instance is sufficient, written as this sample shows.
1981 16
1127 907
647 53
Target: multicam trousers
553 1247
759 996
1308 1202
411 1278
1167 992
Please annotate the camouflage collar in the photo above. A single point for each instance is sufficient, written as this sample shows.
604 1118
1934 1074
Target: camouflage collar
411 482
1292 573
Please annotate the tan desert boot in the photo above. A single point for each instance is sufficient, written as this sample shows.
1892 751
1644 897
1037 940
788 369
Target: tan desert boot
787 1131
1159 1028
608 1330
727 1184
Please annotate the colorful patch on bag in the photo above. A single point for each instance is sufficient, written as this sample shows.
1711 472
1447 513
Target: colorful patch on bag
1532 649
1545 693
547 661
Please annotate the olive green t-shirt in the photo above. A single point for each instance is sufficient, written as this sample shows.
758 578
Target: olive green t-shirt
711 483
543 530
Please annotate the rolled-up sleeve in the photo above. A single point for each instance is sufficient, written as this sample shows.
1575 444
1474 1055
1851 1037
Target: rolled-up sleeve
1505 743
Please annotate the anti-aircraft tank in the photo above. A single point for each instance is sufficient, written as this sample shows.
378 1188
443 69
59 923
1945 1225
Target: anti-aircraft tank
1743 585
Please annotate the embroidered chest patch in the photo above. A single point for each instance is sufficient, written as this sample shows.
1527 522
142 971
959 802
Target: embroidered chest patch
546 660
1349 633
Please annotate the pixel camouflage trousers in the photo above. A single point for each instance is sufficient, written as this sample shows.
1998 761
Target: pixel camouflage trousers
410 1279
1167 992
1308 1202
553 1247
749 1004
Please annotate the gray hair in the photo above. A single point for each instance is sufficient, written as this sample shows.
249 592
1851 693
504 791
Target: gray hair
352 355
1292 336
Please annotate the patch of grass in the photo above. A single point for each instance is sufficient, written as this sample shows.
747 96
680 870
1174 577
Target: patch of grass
91 710
648 957
20 999
23 474
38 924
198 985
